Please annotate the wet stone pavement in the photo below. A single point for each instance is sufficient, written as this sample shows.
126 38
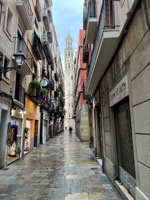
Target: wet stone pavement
61 169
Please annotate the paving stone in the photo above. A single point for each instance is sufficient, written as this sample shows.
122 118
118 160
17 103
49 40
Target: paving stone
62 169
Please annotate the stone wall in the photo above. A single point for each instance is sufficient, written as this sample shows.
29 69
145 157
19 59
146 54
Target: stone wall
132 59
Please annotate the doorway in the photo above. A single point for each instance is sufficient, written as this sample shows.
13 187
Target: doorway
125 153
3 137
27 144
36 133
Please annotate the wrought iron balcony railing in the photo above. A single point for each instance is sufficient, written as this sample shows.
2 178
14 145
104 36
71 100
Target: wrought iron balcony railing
85 54
107 23
90 23
37 47
25 12
56 76
46 20
38 10
47 49
51 83
22 47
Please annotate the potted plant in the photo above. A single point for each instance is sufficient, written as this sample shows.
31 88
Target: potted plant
35 87
44 91
26 130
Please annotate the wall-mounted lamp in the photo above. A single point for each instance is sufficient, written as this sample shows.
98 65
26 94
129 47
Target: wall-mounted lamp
19 58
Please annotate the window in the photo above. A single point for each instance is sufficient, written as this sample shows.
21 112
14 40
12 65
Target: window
6 64
68 66
9 23
19 43
71 77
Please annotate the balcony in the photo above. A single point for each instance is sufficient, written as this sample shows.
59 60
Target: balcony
37 47
49 36
56 93
61 101
91 23
26 68
107 40
56 76
25 12
51 83
46 20
47 2
85 54
37 9
19 94
60 87
47 49
36 96
50 14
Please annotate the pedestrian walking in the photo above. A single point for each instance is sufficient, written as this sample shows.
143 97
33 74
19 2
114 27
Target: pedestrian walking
70 129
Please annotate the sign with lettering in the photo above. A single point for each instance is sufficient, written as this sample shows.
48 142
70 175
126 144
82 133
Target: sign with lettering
119 92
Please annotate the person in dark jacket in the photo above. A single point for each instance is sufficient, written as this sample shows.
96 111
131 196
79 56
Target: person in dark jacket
70 129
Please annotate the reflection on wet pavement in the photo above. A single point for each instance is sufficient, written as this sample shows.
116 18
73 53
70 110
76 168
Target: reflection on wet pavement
61 169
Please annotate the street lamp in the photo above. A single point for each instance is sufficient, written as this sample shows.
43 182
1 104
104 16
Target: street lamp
19 58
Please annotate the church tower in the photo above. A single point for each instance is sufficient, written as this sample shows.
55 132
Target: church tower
69 82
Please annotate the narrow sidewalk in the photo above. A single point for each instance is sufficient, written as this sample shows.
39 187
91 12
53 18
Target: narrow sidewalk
62 169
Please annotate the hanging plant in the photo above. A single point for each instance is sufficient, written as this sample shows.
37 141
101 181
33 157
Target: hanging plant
36 84
26 129
44 91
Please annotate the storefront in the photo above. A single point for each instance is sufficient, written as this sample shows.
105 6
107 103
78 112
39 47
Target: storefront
31 126
15 135
44 133
5 105
119 103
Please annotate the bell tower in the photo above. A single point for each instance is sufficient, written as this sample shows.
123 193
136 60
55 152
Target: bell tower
69 81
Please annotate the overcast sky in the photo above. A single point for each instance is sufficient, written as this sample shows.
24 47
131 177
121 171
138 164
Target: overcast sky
67 17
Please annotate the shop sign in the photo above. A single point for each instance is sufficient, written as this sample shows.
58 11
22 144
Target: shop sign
119 92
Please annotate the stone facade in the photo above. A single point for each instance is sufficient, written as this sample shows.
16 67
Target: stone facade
69 77
130 61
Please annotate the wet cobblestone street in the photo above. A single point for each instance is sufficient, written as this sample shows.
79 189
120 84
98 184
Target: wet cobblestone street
61 169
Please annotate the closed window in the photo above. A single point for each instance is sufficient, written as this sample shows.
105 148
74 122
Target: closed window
9 23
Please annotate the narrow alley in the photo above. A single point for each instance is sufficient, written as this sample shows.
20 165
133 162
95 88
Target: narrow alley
61 169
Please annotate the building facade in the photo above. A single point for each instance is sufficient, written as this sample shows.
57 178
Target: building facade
30 59
117 34
69 73
80 105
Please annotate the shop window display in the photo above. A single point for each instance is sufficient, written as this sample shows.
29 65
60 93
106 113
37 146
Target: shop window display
27 139
13 141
